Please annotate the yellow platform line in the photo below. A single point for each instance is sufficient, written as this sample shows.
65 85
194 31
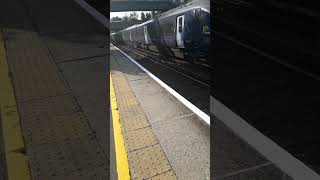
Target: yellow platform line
17 163
121 155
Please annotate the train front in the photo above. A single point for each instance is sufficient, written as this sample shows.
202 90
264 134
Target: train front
204 20
198 35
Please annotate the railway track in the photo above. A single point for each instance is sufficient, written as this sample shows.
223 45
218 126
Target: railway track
195 72
189 86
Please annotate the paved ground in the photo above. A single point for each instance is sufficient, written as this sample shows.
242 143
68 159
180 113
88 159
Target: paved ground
182 136
87 80
57 58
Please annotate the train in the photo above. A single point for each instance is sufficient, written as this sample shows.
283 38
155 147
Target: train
182 32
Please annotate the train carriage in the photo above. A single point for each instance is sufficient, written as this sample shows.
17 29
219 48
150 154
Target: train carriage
185 30
116 38
112 37
143 38
125 36
133 35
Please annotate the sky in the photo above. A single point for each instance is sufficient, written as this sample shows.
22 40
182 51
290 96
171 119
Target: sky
121 14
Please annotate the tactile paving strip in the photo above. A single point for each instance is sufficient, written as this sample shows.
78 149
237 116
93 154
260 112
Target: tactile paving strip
60 144
131 113
99 173
73 156
58 105
134 122
147 162
33 70
49 129
140 138
146 158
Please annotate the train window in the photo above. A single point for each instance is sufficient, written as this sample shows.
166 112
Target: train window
180 24
198 12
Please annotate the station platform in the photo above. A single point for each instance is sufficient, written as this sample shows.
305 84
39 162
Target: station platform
162 138
156 125
53 92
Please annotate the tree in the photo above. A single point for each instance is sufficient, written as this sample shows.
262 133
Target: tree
133 16
155 13
125 18
180 2
131 19
148 16
116 18
143 17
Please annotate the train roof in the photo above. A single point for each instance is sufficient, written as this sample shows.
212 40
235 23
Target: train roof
147 22
138 25
203 4
130 27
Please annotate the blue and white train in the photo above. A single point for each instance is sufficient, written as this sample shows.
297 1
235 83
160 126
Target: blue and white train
183 30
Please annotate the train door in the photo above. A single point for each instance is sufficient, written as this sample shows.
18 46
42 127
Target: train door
130 36
146 34
179 31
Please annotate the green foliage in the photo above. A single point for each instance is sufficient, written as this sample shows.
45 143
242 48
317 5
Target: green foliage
148 16
125 18
143 17
133 16
180 2
116 18
155 13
